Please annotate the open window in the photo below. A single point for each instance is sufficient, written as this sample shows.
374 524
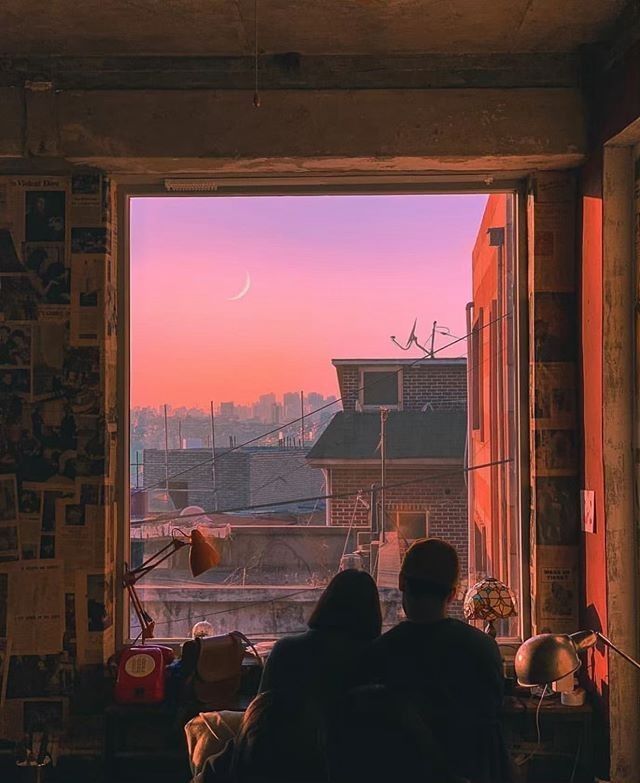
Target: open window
232 336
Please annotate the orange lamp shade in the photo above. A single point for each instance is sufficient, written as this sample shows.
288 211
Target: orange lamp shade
203 555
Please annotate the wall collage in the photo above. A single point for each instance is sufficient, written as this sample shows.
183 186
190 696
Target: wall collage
57 441
555 515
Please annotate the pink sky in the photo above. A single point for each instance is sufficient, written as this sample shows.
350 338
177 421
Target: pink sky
331 277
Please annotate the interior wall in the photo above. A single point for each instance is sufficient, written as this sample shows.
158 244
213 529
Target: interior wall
58 431
554 439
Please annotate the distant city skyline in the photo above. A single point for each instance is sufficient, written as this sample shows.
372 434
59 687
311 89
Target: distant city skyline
278 286
261 409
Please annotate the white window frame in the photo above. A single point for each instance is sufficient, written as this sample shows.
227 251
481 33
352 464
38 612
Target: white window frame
381 368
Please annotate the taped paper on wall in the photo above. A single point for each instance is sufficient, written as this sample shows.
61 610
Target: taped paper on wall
35 616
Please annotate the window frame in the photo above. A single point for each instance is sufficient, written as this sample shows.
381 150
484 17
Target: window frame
152 186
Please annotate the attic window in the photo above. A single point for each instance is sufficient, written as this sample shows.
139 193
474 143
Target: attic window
381 388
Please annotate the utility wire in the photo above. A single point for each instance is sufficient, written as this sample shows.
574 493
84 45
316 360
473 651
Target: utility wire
312 413
437 475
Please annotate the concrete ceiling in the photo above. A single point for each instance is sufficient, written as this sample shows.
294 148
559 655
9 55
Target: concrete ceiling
226 27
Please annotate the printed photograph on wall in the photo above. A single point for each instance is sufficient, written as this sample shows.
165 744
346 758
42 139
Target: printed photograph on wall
48 272
15 345
15 382
74 515
48 358
44 215
8 498
69 639
18 299
30 502
556 453
555 327
9 542
32 676
556 499
99 602
89 240
9 261
85 189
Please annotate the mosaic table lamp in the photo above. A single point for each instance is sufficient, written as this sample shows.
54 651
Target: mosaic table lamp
489 600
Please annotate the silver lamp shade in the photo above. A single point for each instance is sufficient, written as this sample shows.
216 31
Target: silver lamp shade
546 658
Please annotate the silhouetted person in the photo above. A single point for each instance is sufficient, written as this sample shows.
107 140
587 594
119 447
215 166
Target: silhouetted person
281 740
376 736
450 671
323 660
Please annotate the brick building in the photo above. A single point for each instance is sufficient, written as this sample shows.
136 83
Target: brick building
246 477
425 435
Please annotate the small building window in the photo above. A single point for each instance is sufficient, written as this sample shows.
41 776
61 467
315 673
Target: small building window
381 387
412 524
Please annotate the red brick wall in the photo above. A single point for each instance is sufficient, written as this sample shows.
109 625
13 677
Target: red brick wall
442 493
438 382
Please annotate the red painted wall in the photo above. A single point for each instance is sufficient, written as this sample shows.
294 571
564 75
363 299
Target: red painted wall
494 548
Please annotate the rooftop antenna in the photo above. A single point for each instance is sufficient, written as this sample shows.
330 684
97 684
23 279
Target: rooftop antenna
410 341
413 339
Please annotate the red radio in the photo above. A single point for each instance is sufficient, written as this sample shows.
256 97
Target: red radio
142 675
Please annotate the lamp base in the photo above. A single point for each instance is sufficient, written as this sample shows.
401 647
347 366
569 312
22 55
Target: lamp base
490 629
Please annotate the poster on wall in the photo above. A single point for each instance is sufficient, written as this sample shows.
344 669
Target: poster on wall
554 404
80 533
30 520
35 600
94 615
557 593
87 300
556 452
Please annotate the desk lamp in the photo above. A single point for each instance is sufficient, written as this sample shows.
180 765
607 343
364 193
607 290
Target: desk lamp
490 600
202 557
549 657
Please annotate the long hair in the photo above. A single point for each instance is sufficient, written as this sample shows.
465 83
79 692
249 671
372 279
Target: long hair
350 603
282 739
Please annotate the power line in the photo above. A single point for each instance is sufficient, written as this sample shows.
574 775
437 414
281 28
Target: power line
312 413
437 475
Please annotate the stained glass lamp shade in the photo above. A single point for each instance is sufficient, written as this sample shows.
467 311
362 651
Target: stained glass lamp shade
490 600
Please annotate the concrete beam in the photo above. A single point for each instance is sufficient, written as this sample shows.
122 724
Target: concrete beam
292 70
170 131
12 122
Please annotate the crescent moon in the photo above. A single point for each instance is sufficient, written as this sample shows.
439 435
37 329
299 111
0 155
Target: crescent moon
243 291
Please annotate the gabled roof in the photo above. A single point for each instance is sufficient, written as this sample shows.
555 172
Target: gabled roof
410 435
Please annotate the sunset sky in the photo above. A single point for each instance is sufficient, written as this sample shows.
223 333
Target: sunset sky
330 277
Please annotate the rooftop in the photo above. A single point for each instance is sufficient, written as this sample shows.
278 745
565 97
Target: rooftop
399 362
410 435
